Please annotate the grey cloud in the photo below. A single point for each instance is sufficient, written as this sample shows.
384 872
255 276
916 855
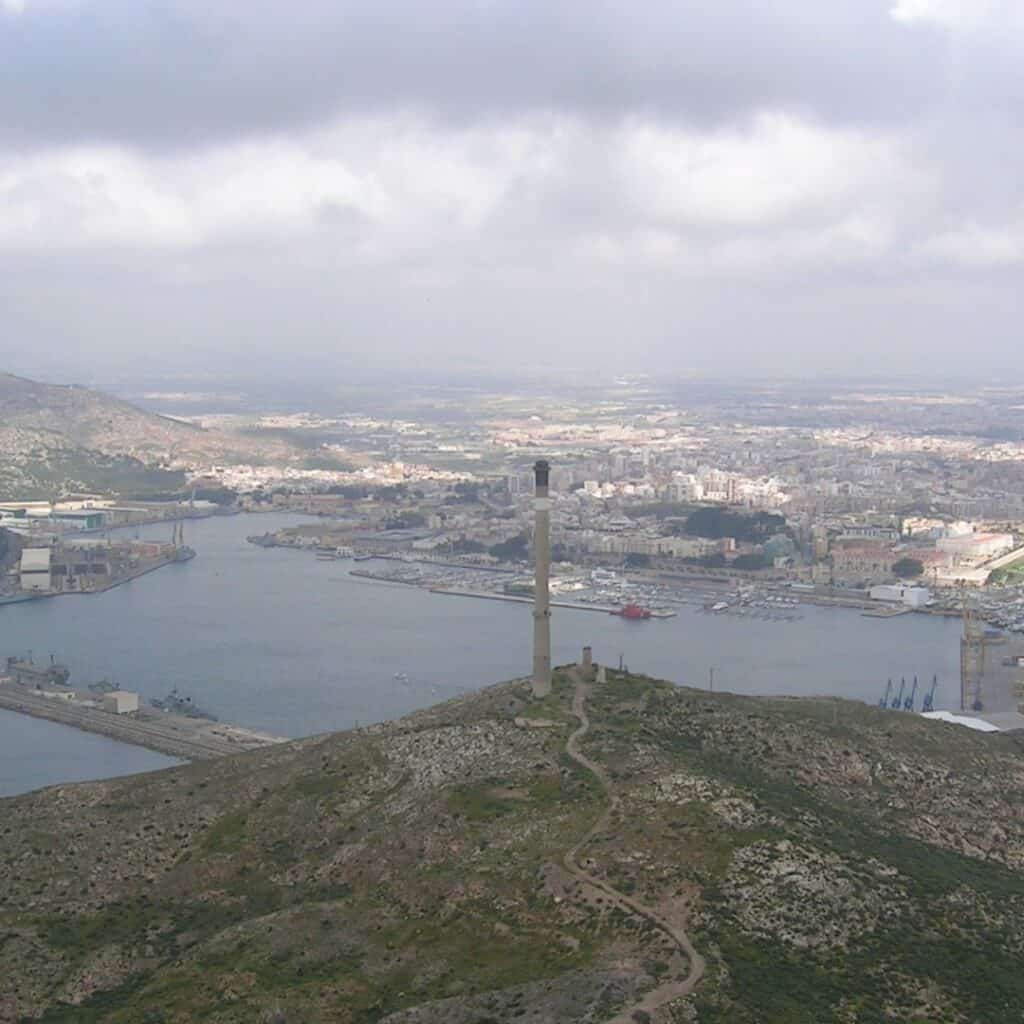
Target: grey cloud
385 211
189 72
286 308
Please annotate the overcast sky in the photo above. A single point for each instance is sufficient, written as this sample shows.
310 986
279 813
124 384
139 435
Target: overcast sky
737 186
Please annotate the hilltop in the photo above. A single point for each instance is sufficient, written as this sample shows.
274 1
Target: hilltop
472 863
57 438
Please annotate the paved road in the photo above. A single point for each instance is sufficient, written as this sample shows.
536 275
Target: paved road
687 954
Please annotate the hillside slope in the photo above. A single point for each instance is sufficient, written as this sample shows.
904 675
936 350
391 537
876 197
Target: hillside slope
829 861
55 438
90 419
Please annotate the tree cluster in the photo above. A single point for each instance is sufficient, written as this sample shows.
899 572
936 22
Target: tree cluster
715 523
907 568
405 521
515 549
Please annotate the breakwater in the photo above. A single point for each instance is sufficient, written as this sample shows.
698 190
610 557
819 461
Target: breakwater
580 606
162 731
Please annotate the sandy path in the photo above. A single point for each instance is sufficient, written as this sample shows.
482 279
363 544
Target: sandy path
687 954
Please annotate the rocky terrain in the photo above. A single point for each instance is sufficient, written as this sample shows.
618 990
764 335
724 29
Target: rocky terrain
626 851
55 439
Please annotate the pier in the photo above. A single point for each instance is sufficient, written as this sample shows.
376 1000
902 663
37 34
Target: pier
143 569
101 584
195 739
580 606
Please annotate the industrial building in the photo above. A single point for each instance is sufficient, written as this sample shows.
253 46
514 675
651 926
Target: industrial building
120 702
24 509
70 515
975 547
900 593
35 570
79 519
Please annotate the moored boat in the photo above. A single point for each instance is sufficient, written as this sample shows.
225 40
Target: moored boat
633 611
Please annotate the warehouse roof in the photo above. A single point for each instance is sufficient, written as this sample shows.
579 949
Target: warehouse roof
35 560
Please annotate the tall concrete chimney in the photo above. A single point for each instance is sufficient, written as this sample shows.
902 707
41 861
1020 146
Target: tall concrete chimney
542 597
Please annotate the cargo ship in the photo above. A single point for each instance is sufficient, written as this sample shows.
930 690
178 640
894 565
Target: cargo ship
27 673
633 611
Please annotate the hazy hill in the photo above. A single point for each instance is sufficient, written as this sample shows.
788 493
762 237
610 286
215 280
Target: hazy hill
55 438
829 861
90 419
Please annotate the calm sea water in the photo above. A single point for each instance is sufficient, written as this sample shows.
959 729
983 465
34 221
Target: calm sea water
34 753
276 640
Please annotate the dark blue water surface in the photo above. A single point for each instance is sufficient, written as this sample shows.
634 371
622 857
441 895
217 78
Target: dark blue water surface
34 753
275 640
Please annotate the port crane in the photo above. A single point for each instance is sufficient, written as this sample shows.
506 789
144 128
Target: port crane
928 701
178 533
897 702
884 702
908 704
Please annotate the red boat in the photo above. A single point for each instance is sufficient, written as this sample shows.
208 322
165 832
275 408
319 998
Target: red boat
633 611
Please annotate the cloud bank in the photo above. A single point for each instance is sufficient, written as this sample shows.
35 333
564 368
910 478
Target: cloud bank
736 187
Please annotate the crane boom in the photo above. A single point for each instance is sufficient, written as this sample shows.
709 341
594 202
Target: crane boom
908 704
897 701
928 701
884 702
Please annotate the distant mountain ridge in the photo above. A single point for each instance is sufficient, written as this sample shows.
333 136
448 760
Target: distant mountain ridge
56 438
88 418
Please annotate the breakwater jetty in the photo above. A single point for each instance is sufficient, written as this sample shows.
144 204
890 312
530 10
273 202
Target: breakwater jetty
580 606
195 739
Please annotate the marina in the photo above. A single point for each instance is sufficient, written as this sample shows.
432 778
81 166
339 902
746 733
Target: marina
598 590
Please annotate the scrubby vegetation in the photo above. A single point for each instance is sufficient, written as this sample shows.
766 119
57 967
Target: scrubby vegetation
515 549
832 863
907 568
715 522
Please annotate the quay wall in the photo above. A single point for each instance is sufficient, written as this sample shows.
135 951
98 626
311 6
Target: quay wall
177 735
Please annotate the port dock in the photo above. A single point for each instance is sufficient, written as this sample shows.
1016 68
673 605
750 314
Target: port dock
608 609
102 583
195 739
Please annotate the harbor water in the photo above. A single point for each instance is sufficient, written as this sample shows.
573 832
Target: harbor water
276 640
34 753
